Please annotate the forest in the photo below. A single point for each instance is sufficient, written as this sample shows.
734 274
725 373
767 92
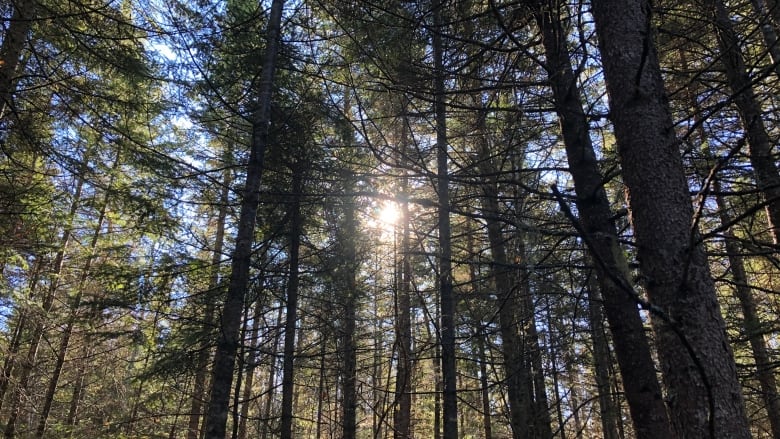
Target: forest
364 219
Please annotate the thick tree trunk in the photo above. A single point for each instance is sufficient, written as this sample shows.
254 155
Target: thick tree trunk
643 392
697 363
761 157
230 322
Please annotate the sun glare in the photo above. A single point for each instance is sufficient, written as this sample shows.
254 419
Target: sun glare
389 213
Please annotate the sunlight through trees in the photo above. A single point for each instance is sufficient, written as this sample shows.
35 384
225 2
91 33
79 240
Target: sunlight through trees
444 219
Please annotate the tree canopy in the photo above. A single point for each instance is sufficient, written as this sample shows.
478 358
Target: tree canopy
445 218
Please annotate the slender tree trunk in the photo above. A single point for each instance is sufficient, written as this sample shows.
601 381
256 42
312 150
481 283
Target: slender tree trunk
484 385
761 158
239 385
515 365
204 352
288 363
637 367
769 32
65 340
542 419
553 352
321 389
230 322
250 370
10 361
403 379
266 416
39 326
446 293
697 363
347 276
751 320
14 41
609 413
79 385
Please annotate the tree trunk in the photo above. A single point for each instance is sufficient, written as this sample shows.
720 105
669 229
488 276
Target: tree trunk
609 412
542 420
269 397
697 363
39 325
484 385
251 364
516 373
204 352
347 272
67 332
230 322
761 158
643 392
769 32
751 321
402 412
291 319
446 293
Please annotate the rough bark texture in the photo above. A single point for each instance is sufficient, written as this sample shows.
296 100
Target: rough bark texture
643 392
230 322
697 363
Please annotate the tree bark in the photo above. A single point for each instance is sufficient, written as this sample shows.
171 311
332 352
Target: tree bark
230 322
697 363
643 391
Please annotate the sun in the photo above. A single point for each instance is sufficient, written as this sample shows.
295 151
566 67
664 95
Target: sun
389 213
